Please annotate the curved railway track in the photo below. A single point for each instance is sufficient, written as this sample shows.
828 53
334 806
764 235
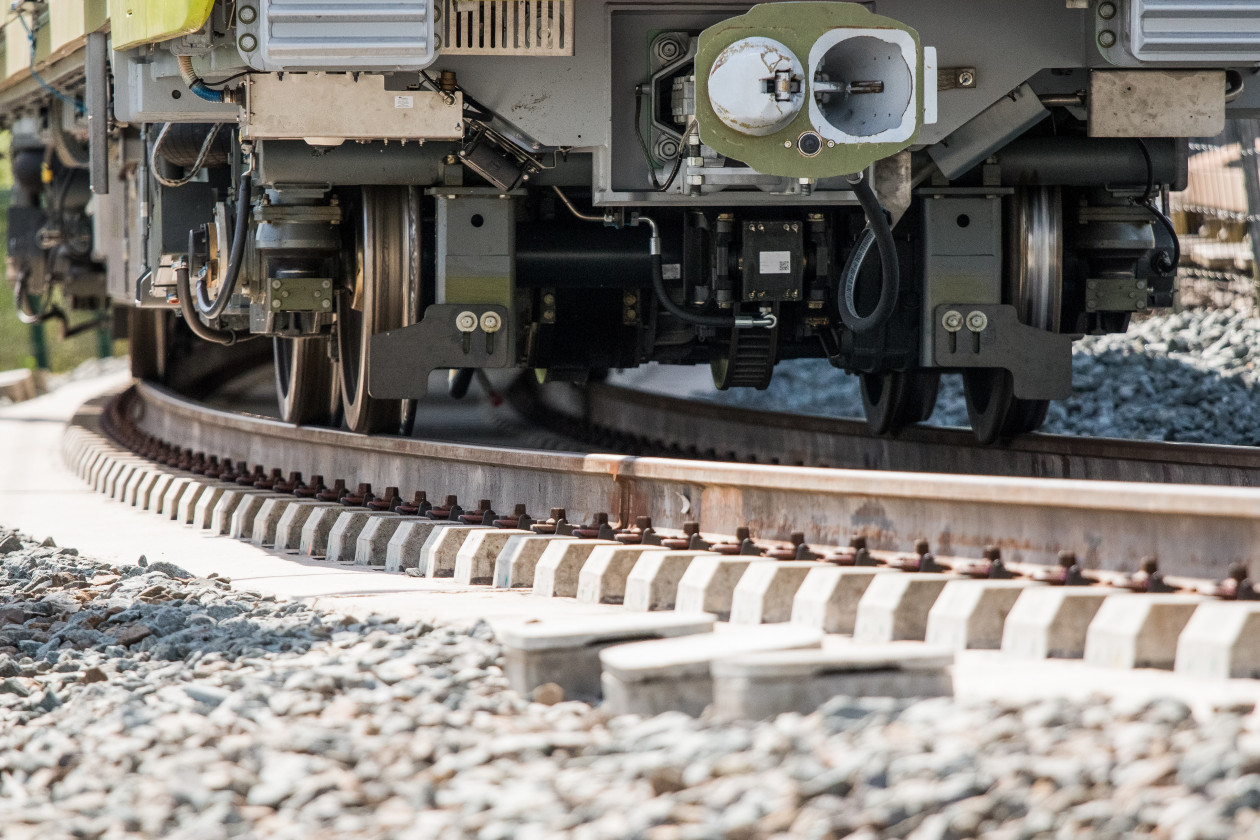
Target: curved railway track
1196 530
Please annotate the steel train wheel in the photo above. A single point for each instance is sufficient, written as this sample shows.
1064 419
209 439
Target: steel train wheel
306 382
1034 285
895 400
148 343
386 273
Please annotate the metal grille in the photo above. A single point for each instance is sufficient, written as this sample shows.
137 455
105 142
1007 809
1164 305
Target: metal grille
1202 30
334 34
509 27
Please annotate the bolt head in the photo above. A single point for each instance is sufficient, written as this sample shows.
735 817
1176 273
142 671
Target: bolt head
466 322
966 78
491 322
952 320
247 14
977 321
1106 39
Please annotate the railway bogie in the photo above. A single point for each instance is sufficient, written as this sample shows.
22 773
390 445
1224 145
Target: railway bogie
388 189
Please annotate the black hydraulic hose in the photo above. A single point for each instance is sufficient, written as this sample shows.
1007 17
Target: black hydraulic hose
878 228
662 295
213 309
183 288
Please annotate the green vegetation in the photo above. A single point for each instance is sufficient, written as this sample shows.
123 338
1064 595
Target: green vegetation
15 337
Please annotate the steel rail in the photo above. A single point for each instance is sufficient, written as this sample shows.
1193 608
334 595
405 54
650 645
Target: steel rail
652 422
1196 531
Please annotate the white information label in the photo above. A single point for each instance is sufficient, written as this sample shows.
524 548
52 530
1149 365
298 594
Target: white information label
404 102
776 262
671 271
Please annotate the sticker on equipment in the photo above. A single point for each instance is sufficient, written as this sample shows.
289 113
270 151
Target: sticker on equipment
776 262
404 102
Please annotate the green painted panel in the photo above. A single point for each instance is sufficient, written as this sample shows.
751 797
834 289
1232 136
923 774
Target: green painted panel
798 26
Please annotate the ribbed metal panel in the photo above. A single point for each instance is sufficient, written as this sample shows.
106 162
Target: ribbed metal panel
1195 30
341 35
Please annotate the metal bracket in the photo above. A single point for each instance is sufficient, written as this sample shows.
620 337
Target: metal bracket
451 335
991 336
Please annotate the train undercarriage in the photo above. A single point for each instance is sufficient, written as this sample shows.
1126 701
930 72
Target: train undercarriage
383 190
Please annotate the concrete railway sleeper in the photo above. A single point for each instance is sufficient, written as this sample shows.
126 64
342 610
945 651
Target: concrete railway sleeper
685 609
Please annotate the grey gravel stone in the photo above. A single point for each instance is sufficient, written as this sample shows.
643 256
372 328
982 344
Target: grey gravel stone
240 716
1189 376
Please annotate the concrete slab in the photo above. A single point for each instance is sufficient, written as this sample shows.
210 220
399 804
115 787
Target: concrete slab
474 565
560 566
404 547
1051 621
763 685
709 584
514 568
221 517
241 526
653 582
603 578
1221 641
970 614
766 591
343 539
203 511
566 651
152 501
895 607
316 529
293 520
263 530
372 545
1139 630
437 555
649 678
186 503
828 598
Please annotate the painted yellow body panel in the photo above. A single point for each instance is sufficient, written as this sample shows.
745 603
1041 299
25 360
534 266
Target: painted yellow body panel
135 22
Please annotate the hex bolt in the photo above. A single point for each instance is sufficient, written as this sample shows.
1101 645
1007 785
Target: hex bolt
491 322
1106 39
952 320
418 506
966 78
466 321
977 321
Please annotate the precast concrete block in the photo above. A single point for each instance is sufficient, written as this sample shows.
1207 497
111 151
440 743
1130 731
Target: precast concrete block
144 490
1139 630
372 546
316 529
970 614
131 490
765 685
560 566
566 651
653 582
514 568
168 508
474 565
828 598
221 516
649 678
262 531
203 512
1221 641
293 520
603 578
404 549
344 537
766 591
895 607
186 504
241 526
152 497
1050 622
437 555
709 584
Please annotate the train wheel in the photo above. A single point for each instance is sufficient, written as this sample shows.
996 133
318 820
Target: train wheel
148 343
306 381
386 271
895 400
1034 285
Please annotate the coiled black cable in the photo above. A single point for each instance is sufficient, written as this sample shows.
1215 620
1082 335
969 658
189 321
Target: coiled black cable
212 309
877 229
